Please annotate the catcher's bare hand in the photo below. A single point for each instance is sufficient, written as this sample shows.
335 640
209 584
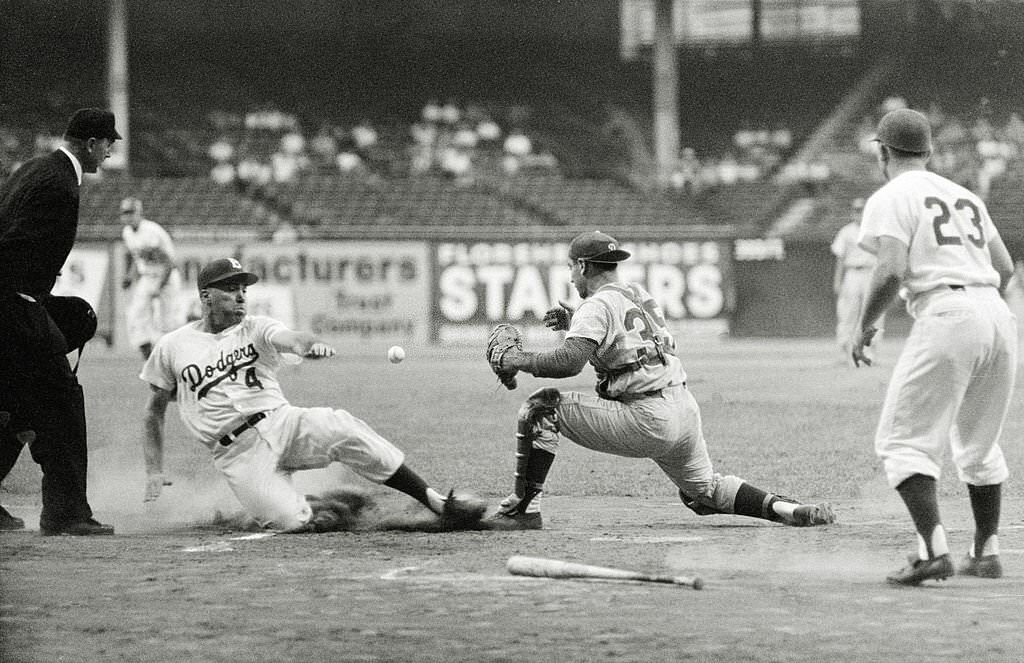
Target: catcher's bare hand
558 317
503 344
320 350
863 341
155 482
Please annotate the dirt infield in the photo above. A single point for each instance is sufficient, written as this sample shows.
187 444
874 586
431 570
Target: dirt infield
170 586
772 593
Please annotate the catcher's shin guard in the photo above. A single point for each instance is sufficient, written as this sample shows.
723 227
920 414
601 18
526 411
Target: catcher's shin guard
537 420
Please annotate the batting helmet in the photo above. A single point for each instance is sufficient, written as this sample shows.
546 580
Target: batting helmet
905 130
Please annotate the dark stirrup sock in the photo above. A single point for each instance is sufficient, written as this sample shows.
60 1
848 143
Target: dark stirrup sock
754 502
919 494
530 479
410 483
985 503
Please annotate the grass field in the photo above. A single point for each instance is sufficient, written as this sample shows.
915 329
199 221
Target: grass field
784 414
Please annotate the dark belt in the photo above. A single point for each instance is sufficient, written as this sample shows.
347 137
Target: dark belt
956 287
643 394
249 423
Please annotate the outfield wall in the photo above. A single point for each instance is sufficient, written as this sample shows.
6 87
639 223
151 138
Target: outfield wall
452 292
420 292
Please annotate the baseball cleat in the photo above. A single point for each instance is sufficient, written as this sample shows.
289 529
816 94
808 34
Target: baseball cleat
515 521
919 570
812 515
462 511
986 566
10 522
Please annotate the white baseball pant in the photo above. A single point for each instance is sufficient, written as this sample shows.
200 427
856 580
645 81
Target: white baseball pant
951 388
259 464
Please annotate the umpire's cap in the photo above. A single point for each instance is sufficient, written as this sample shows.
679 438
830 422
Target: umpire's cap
89 123
596 246
905 130
224 270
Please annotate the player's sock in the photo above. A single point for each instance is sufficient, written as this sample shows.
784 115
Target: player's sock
756 503
413 485
919 495
986 502
531 472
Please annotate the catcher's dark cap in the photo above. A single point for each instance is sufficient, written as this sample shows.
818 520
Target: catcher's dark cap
224 270
905 130
596 246
92 123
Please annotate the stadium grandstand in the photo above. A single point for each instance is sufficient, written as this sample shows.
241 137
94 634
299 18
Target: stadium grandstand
358 119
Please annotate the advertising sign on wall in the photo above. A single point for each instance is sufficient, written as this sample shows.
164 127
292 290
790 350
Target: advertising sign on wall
342 291
482 283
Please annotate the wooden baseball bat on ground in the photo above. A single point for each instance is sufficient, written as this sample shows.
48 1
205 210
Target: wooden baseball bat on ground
553 568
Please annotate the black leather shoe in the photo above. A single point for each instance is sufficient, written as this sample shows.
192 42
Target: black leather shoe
82 528
8 522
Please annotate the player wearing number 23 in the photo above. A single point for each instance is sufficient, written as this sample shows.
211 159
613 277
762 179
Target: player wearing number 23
642 408
951 387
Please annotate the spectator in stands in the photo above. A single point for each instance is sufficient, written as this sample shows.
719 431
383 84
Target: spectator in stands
421 152
517 147
457 165
488 130
348 159
221 150
223 173
364 135
451 113
431 113
324 146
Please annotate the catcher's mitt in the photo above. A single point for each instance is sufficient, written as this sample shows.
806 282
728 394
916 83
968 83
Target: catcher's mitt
503 338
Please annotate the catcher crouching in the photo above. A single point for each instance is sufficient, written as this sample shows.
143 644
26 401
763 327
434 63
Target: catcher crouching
642 408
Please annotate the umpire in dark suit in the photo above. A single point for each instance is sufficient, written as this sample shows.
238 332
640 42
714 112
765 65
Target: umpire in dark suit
41 401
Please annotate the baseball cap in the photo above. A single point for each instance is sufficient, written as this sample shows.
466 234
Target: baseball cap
596 246
905 130
131 205
92 123
224 269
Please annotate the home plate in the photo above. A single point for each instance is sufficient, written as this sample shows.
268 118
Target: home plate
253 537
224 546
647 539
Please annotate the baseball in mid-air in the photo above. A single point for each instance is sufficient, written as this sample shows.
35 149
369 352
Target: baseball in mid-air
396 354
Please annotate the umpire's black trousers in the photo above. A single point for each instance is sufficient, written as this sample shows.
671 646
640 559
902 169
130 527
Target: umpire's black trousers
42 395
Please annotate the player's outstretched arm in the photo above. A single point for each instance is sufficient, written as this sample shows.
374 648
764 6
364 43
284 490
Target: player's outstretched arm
303 344
153 442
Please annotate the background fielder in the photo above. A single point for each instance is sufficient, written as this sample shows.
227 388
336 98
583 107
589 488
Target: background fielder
223 371
154 283
951 387
642 408
851 279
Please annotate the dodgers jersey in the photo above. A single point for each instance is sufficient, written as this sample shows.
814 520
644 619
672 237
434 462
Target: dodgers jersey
635 351
146 243
946 227
221 379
